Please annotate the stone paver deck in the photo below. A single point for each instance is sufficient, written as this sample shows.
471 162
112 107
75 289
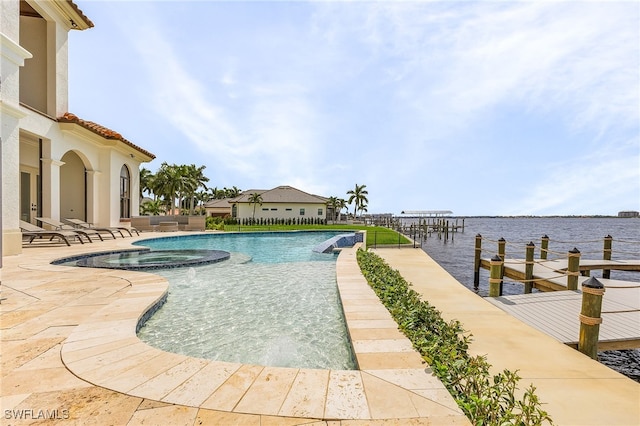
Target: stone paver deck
69 350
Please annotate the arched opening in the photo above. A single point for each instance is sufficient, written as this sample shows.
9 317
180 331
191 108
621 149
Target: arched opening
73 184
125 193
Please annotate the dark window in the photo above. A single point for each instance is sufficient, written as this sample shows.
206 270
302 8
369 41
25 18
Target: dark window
319 212
125 193
301 212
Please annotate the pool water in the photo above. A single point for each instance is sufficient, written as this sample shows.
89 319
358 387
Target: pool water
274 302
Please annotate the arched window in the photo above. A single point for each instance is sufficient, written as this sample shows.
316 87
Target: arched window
125 193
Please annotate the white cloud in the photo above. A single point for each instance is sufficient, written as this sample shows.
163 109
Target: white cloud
597 183
269 138
579 58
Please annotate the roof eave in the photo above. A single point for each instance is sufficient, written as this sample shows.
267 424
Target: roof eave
77 19
71 121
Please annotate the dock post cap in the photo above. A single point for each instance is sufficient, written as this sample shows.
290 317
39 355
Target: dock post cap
592 282
575 250
502 239
530 244
496 258
478 235
545 236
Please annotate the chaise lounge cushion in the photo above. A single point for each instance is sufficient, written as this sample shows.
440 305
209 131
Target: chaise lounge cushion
33 232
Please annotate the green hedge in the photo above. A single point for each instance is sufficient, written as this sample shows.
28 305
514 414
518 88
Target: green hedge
485 399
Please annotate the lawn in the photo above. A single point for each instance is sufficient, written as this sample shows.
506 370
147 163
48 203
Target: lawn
376 235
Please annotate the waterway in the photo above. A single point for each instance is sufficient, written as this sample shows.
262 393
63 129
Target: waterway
586 234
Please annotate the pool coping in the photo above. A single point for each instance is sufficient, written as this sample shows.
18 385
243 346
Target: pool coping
392 382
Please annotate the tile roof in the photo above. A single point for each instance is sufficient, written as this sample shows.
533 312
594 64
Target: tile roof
282 194
218 203
101 131
86 20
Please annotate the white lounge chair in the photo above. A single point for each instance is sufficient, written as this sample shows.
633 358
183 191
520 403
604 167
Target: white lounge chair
78 223
59 226
33 232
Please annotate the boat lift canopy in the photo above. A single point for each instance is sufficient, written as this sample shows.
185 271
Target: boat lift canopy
427 213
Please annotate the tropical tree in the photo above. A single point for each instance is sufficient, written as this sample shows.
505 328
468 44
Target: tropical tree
232 192
146 182
332 202
201 198
169 184
216 194
152 207
179 183
193 179
254 199
219 194
358 196
340 204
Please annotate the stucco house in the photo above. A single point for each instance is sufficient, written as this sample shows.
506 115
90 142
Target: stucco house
55 164
282 202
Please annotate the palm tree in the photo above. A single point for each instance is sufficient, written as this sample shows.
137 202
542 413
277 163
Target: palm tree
201 198
231 192
146 182
254 199
358 196
193 179
332 203
154 207
168 184
340 204
216 194
179 183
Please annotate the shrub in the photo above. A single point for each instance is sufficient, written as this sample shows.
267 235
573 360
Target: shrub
484 399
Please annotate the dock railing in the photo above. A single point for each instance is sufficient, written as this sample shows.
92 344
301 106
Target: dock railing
561 271
424 228
564 264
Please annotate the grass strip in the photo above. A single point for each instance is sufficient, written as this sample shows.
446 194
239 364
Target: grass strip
376 235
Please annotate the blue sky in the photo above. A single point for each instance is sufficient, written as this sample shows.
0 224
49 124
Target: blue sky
482 108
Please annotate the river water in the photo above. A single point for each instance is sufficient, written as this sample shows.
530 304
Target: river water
586 234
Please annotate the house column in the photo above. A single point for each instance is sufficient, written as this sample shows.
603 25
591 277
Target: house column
12 57
92 199
51 187
10 192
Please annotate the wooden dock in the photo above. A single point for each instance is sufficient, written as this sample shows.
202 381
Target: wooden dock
551 275
555 310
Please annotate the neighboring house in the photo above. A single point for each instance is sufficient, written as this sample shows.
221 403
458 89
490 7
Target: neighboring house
282 202
55 164
218 208
629 213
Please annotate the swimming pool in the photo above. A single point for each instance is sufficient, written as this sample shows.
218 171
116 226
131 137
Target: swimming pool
274 302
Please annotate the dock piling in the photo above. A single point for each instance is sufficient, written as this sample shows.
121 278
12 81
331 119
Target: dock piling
528 269
476 261
590 317
606 255
501 252
544 247
573 269
495 279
